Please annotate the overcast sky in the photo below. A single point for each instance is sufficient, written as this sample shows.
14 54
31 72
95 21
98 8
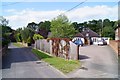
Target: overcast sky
21 13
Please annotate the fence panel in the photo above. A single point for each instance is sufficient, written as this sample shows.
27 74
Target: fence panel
73 51
47 46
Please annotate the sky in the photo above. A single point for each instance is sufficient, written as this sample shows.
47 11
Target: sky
20 14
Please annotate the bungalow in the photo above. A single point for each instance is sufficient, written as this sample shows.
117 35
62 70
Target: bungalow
90 36
78 36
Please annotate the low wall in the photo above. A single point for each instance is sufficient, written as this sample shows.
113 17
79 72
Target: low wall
114 44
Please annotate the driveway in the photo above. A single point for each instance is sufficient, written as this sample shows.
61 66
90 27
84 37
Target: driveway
97 62
22 63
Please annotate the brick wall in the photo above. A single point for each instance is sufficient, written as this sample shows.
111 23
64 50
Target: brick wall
114 44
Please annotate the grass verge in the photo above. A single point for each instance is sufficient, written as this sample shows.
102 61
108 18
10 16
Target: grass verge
63 65
18 45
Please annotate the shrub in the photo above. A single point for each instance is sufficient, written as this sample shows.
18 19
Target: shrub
37 37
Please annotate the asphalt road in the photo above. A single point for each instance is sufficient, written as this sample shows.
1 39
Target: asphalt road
22 63
97 62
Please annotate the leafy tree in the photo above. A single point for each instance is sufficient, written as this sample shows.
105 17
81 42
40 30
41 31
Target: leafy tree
75 25
18 30
45 25
18 37
33 26
5 31
3 21
62 27
26 33
108 32
44 28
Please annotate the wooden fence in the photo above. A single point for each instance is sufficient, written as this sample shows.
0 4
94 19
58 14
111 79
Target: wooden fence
62 49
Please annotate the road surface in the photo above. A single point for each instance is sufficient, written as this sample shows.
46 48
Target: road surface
22 63
97 62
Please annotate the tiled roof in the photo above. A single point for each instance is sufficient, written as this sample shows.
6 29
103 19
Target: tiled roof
79 35
90 33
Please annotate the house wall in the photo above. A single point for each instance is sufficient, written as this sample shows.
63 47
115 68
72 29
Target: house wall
95 40
117 34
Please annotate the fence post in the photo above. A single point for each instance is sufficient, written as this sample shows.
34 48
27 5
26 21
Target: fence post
78 52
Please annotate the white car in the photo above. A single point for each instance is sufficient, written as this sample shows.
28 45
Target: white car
102 42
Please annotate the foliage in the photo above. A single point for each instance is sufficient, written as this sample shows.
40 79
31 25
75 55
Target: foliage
26 33
18 30
61 27
37 37
5 31
3 21
63 65
32 26
18 37
44 28
44 25
5 39
29 40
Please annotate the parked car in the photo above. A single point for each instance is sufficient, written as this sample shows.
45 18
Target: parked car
78 42
102 42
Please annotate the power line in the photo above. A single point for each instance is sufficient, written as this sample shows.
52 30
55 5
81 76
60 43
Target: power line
75 6
11 4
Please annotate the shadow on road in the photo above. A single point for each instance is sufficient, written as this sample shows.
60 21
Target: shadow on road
15 55
82 57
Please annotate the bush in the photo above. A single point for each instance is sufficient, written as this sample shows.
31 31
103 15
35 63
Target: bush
5 42
29 40
5 39
37 37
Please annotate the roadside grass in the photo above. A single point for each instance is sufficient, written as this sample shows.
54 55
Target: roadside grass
61 64
18 44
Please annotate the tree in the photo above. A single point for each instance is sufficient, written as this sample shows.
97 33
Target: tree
62 27
18 37
45 25
3 21
18 30
26 33
33 26
108 32
44 28
75 25
3 25
5 31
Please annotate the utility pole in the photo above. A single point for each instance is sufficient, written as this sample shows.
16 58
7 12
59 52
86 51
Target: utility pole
101 27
